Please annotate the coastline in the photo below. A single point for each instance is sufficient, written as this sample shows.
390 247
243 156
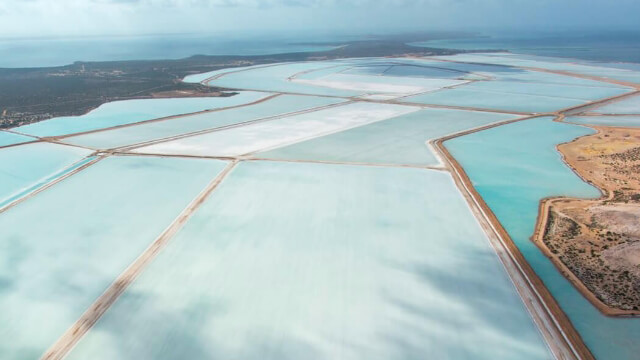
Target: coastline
554 325
541 225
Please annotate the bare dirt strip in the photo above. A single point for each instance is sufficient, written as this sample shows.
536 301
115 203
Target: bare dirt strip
562 338
559 333
49 184
71 337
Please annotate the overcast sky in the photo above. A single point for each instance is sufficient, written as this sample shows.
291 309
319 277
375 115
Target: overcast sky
93 17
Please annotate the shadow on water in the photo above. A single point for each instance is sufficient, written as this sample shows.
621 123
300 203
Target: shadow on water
486 320
488 314
170 334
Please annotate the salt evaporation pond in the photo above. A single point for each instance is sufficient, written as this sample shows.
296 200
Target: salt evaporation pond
631 121
23 168
427 72
380 84
530 169
7 138
400 140
316 261
574 66
132 111
279 132
300 260
276 106
320 78
276 78
541 89
630 105
61 249
463 97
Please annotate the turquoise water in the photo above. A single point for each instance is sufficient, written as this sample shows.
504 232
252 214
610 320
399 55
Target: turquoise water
162 129
554 90
627 106
276 78
507 72
593 69
421 71
7 138
548 78
494 100
604 45
633 121
60 249
311 261
367 84
33 186
24 167
132 111
196 78
58 51
530 169
333 69
279 132
401 140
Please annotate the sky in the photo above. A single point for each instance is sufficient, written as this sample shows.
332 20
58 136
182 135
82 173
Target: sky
35 18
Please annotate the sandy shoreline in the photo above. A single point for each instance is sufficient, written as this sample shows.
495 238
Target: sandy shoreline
561 336
544 214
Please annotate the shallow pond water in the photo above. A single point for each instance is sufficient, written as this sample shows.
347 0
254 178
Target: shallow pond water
315 261
530 169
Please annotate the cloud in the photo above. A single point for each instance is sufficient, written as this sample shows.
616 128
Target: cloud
33 17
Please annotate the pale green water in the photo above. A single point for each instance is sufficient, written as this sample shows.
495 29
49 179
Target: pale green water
401 140
309 261
162 129
132 111
7 138
633 121
529 169
60 249
24 167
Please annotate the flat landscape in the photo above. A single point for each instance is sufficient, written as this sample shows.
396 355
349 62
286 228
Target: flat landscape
382 207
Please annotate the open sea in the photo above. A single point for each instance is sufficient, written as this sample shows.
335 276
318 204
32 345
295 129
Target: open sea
45 52
603 46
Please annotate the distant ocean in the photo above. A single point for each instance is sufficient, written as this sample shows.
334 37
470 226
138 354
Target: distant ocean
44 52
606 46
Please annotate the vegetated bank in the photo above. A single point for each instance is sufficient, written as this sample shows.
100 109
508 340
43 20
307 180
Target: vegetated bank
34 94
596 243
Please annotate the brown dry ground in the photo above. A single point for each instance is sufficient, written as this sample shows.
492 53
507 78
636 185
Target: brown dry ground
596 243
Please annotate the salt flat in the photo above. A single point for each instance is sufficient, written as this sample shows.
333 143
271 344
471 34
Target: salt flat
277 106
399 140
279 132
